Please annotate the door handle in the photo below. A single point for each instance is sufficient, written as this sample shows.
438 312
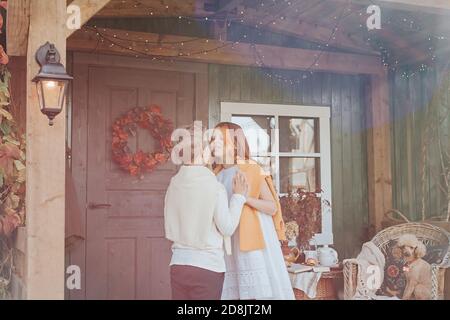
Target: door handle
97 206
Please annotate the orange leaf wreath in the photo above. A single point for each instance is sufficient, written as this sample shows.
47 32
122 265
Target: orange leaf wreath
151 119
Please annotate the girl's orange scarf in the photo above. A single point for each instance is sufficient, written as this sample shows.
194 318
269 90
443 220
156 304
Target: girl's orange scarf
250 232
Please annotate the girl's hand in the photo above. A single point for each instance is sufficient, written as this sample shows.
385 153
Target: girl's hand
266 203
240 184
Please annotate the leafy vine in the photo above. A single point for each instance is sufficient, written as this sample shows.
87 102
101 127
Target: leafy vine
12 177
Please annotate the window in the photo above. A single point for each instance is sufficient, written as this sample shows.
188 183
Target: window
293 144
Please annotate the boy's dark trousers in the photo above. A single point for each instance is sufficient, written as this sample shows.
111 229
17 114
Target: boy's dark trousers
193 283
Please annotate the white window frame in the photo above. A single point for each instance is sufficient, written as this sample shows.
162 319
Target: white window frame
323 114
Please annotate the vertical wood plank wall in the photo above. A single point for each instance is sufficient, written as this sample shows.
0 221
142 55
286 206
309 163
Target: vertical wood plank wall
348 135
410 103
18 68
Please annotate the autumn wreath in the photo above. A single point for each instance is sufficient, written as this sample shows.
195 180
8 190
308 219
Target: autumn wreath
151 119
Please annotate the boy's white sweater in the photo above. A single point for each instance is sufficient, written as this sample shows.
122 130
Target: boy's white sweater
197 218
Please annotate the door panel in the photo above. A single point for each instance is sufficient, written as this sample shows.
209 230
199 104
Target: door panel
127 255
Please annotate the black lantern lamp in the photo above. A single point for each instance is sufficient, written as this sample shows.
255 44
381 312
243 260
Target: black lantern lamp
51 82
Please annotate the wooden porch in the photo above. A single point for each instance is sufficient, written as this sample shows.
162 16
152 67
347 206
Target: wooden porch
298 52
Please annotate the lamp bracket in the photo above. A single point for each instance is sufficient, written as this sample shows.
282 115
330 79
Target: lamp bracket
47 53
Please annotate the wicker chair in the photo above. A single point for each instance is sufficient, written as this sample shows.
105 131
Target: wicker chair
428 234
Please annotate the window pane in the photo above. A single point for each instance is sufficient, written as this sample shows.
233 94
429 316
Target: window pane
257 129
299 135
299 173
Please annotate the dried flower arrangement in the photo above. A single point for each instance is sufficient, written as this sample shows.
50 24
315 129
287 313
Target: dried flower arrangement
305 209
292 230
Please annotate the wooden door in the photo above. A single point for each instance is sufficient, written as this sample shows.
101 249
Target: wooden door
127 255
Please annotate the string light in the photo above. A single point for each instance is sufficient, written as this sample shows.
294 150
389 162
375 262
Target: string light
317 57
258 60
181 43
104 37
387 56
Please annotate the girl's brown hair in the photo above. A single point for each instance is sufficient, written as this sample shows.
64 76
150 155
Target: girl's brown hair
234 134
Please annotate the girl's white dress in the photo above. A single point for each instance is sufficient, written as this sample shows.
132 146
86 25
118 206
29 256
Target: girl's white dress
259 274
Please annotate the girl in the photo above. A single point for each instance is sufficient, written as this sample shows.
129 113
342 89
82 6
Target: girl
256 270
197 217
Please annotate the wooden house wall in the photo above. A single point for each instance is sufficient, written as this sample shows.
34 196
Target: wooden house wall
348 135
343 93
411 105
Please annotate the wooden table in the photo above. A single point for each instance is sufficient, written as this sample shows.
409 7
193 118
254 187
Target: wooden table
327 287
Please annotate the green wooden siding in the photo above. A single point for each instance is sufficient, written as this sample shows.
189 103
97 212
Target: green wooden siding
411 104
348 135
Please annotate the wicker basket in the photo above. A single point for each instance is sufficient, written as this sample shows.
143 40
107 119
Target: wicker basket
392 218
440 222
326 288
